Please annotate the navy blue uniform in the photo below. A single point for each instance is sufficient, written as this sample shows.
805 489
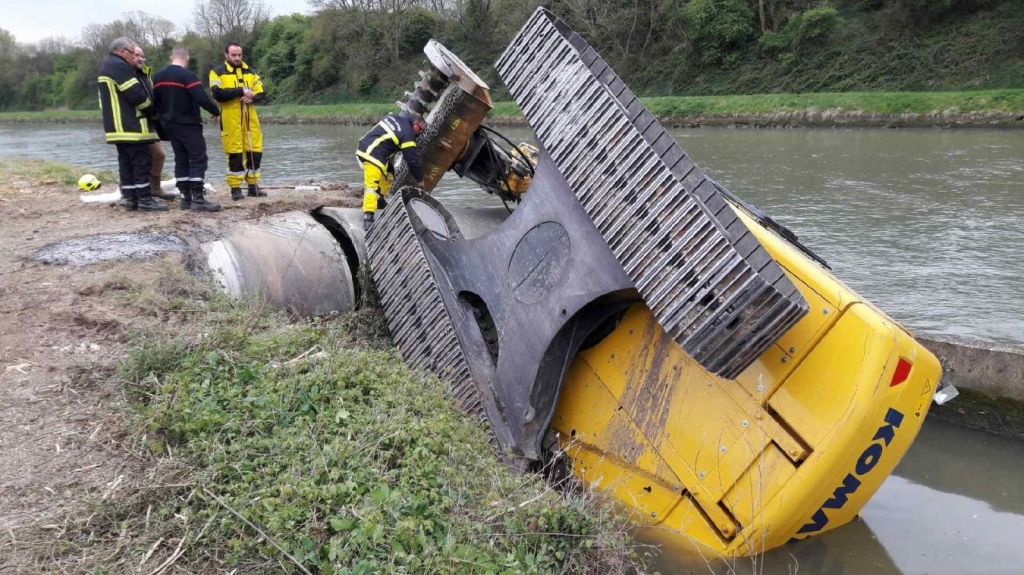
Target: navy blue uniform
179 96
391 135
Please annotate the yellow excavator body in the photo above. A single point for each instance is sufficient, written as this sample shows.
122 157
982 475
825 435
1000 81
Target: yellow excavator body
794 446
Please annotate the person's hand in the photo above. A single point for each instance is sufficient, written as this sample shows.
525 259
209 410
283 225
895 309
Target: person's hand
215 120
247 92
247 99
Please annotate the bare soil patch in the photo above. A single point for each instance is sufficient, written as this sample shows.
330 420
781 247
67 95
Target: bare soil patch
64 437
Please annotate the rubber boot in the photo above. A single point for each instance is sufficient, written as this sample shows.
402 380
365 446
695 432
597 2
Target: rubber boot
236 194
157 192
186 198
256 192
146 201
199 201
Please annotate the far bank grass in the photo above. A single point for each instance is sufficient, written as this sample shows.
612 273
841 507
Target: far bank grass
886 103
41 172
1011 101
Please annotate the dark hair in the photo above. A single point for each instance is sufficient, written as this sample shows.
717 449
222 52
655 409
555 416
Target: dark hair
228 47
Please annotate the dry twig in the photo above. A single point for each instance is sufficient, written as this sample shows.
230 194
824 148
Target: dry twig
258 530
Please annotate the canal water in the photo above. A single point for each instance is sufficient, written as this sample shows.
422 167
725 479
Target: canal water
927 224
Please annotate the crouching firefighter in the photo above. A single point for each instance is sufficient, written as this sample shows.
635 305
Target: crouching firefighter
236 87
395 133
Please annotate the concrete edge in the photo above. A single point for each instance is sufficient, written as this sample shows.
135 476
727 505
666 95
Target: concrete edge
990 379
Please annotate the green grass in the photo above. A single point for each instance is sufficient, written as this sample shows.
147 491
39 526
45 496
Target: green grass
317 434
1011 101
51 116
982 101
44 172
349 110
372 110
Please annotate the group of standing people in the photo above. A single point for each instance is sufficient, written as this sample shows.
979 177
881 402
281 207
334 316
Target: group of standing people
140 109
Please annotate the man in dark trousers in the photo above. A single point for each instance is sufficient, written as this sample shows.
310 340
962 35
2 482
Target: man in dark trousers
393 134
179 95
127 113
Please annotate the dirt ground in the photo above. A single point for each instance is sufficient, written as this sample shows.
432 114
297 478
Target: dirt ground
64 437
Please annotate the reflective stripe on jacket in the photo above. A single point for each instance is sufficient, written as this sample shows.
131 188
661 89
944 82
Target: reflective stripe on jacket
239 129
391 135
126 103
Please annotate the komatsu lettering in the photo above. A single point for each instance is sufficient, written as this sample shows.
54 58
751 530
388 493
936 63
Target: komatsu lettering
865 463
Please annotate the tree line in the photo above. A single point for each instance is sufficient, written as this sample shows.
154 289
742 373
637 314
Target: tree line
367 50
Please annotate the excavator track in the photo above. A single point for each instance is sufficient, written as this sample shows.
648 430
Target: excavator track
417 318
708 281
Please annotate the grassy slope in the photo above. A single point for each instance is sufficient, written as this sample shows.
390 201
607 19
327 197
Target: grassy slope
977 45
281 443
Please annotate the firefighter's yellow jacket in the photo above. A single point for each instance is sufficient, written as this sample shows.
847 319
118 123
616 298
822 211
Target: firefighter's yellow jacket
227 83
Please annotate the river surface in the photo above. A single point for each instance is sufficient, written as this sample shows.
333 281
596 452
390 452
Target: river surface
927 224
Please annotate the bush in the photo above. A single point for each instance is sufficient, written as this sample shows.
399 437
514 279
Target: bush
801 30
718 27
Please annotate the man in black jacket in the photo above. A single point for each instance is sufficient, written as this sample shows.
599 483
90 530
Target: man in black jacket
179 95
127 112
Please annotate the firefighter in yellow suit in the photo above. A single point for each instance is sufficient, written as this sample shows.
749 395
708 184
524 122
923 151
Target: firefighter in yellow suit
376 151
236 87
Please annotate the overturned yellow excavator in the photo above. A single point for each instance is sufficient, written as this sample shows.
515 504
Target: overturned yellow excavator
631 317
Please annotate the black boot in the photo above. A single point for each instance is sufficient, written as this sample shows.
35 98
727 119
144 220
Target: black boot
186 196
146 201
256 192
199 201
128 201
236 194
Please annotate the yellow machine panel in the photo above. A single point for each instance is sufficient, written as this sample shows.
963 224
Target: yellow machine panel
794 446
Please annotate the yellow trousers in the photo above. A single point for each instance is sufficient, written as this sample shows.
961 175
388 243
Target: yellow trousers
375 181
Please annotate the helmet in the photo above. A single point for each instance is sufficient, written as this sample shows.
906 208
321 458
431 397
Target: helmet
89 183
